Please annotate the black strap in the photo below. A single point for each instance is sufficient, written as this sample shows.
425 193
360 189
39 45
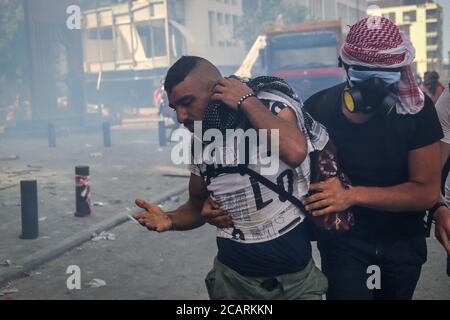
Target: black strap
245 170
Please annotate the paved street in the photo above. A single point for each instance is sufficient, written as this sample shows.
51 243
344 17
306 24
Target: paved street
137 264
145 265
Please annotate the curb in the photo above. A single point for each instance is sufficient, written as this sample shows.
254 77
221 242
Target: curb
75 240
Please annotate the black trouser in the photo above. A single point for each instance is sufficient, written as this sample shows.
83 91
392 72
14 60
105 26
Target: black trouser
345 262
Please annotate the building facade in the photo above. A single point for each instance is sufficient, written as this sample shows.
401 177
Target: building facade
152 34
129 45
422 23
349 11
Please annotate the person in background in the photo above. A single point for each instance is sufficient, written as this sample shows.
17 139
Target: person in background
431 85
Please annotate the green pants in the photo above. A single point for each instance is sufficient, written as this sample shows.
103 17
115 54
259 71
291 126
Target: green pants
223 283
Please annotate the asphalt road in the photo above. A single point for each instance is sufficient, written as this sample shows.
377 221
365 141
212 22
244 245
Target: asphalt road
140 264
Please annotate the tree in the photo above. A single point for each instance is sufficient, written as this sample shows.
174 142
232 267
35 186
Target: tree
13 53
258 14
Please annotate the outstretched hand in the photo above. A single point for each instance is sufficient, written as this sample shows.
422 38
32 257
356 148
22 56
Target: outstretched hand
154 219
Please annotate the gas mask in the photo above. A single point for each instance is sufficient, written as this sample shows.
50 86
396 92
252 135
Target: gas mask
370 91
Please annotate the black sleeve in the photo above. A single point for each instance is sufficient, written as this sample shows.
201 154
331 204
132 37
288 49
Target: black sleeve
427 129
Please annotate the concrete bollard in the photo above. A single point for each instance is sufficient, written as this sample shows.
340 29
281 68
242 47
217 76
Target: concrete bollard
51 136
82 192
29 203
162 133
106 134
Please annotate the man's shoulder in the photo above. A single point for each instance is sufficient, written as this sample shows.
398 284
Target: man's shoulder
323 99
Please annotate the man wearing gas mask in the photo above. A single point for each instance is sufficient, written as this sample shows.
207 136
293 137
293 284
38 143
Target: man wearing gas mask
387 136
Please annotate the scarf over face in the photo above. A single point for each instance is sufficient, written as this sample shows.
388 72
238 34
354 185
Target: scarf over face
383 45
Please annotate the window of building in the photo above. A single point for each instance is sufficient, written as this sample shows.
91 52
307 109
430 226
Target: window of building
342 11
432 54
317 9
159 37
228 30
432 27
390 16
212 28
432 14
432 41
409 16
220 25
104 33
406 29
153 37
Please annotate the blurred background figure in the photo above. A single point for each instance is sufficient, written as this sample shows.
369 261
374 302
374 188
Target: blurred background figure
431 85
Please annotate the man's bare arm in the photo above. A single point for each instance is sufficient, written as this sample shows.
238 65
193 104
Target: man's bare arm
421 192
186 217
293 147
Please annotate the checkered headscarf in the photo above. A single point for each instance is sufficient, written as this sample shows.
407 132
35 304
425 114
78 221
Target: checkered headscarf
376 42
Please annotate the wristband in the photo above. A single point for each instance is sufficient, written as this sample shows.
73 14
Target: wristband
436 207
243 98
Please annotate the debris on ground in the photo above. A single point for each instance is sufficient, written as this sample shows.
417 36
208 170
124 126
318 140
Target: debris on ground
9 291
96 154
103 236
96 283
114 178
34 167
172 171
10 204
99 204
8 158
7 263
174 199
8 187
42 219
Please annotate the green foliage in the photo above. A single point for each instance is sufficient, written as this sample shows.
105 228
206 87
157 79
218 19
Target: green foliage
13 54
258 14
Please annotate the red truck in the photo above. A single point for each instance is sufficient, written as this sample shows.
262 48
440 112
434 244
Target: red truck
304 54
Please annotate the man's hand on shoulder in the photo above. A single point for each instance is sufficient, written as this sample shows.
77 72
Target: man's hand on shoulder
154 219
442 229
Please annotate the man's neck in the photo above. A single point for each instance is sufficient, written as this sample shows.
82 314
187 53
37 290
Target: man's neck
358 117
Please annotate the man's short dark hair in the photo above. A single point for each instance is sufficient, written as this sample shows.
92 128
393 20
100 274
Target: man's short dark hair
179 71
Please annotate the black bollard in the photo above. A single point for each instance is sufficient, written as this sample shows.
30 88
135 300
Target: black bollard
29 203
82 192
106 134
51 136
162 133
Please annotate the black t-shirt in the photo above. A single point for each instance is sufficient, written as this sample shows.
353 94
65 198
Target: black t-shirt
289 253
375 154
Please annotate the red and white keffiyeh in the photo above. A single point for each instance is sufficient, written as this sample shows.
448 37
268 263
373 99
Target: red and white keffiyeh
381 44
